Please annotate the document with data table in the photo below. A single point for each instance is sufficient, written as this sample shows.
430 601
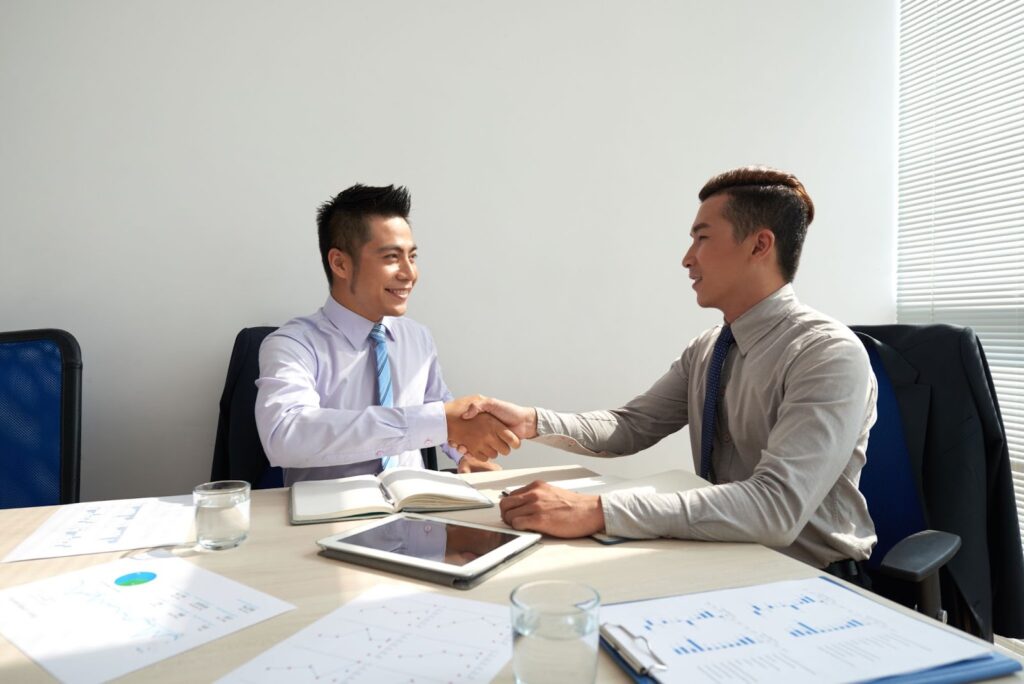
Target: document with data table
811 630
102 622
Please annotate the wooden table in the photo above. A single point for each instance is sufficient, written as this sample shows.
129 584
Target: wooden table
281 560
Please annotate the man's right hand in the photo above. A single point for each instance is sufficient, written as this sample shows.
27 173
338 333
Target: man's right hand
521 420
483 435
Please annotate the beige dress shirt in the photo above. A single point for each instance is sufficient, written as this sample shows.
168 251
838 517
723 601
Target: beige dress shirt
790 437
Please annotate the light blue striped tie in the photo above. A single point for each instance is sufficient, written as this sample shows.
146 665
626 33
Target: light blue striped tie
380 349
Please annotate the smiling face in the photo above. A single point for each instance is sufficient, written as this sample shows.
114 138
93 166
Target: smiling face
726 274
380 282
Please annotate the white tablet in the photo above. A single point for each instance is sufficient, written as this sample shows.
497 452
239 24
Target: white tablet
458 554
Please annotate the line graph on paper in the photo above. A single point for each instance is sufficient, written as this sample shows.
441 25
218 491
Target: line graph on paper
103 526
391 635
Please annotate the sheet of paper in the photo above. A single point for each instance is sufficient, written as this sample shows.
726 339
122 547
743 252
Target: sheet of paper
391 634
110 526
102 622
811 630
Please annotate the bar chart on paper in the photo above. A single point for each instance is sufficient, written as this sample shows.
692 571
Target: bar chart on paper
391 634
802 631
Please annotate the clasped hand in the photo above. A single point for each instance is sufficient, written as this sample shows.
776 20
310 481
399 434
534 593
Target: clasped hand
476 433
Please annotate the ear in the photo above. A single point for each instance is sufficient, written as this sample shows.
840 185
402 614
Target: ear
763 242
340 263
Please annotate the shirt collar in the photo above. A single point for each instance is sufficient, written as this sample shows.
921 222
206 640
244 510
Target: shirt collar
759 319
354 327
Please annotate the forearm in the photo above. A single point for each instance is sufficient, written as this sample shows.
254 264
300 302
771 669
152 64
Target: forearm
754 510
310 436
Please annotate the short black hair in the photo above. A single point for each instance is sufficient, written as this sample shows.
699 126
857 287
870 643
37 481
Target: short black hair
760 196
342 221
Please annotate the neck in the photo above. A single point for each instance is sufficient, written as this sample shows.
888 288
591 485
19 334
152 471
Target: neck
751 297
338 294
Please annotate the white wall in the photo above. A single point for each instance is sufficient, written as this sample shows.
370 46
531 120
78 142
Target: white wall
161 163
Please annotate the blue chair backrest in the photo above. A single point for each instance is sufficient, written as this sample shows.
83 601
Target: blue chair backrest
888 481
39 447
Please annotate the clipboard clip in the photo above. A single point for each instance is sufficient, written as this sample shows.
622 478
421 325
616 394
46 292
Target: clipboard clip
634 649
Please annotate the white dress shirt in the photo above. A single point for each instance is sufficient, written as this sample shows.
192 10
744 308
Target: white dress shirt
316 405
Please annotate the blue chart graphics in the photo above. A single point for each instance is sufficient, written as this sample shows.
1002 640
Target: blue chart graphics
709 629
133 579
384 636
808 614
800 631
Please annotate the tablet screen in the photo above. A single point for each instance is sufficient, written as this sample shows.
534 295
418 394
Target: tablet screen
444 542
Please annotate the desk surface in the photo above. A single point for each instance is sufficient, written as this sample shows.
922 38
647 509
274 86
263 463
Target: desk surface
281 560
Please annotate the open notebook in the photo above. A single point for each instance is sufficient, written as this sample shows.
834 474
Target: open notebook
397 489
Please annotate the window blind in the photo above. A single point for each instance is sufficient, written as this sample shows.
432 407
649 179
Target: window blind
960 240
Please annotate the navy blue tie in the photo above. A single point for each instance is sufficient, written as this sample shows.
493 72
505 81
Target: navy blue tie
707 430
380 349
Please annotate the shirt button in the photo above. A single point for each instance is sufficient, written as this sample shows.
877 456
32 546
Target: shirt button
726 438
380 453
428 443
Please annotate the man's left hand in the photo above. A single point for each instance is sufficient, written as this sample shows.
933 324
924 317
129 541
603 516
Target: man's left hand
471 464
540 507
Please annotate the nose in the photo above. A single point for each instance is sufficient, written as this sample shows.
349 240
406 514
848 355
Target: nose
407 270
688 257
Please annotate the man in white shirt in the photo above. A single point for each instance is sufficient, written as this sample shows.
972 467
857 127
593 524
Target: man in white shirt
779 401
356 386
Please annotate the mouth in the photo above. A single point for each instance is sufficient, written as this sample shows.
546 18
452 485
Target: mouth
696 280
401 294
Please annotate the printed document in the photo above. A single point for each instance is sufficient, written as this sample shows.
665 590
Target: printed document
102 526
102 622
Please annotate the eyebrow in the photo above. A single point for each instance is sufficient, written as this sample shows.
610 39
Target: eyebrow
394 248
698 227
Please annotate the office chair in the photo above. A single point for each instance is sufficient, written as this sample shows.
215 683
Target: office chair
238 453
937 481
40 418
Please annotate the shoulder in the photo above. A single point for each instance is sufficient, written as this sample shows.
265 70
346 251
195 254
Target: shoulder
816 337
302 332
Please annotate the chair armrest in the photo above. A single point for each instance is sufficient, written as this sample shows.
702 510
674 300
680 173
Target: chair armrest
920 555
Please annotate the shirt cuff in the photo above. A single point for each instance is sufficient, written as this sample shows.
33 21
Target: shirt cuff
427 426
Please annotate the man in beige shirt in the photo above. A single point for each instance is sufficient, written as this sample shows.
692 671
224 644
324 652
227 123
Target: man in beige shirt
789 431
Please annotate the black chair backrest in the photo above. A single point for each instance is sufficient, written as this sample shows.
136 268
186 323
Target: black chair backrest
40 418
238 453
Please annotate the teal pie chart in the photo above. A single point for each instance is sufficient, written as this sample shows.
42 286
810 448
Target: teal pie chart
134 579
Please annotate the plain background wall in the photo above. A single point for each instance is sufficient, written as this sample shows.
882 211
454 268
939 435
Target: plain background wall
161 163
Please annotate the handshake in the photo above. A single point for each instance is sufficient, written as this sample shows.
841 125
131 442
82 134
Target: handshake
481 428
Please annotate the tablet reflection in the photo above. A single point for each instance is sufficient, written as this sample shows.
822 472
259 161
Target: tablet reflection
431 540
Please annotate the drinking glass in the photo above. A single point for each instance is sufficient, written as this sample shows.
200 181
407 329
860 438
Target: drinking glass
554 632
222 514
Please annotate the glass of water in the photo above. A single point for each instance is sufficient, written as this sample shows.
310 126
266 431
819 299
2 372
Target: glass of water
222 513
554 632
